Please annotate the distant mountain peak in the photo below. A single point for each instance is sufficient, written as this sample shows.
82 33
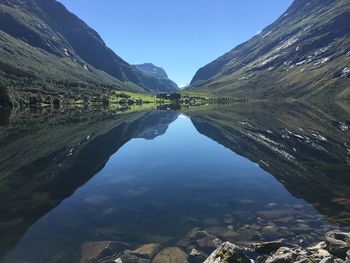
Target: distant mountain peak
163 83
151 69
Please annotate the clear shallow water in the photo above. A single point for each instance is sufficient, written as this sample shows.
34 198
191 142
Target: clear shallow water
159 188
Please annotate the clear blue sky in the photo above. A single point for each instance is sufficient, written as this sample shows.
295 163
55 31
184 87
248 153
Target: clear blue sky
179 35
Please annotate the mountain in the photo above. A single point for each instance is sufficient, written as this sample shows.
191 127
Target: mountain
156 78
304 54
152 70
46 52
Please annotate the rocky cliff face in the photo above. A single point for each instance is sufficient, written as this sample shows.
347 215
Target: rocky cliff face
157 79
305 53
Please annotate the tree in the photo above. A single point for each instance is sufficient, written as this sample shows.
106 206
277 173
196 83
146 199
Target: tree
175 96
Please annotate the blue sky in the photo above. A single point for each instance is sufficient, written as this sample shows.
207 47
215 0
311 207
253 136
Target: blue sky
179 35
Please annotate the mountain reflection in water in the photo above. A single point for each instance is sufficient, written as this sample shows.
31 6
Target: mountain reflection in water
73 177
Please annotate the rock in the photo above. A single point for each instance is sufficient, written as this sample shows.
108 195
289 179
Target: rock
321 245
170 255
248 234
196 256
271 232
184 243
196 234
147 251
230 236
208 243
230 227
228 220
216 230
283 255
269 247
94 251
127 257
228 252
338 243
348 257
255 227
285 220
327 260
276 214
323 253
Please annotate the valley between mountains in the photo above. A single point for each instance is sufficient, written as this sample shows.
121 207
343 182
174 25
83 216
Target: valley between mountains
50 55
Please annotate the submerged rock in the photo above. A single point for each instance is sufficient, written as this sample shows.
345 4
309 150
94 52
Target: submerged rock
227 253
196 256
269 247
276 214
338 243
197 234
208 243
170 255
147 251
127 257
95 251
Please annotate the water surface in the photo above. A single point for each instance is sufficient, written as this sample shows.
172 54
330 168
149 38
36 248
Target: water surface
241 172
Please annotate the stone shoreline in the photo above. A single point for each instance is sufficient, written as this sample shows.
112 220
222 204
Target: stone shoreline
200 246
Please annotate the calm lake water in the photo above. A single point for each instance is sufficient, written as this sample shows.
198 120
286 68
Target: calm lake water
246 172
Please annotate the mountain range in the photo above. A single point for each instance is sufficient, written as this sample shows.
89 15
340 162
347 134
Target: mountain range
304 54
46 50
48 54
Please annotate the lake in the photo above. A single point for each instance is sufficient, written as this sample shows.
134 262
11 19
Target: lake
244 172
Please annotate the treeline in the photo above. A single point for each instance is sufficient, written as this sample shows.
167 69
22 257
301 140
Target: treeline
31 91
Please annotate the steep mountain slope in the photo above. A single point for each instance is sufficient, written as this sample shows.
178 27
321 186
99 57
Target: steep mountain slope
304 54
156 78
49 51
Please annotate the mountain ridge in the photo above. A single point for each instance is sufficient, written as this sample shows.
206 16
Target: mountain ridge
48 52
157 78
303 54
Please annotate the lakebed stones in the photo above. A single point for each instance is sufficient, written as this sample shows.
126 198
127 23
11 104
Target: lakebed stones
338 243
276 214
148 251
226 253
170 255
269 247
127 257
208 243
199 244
196 256
95 251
